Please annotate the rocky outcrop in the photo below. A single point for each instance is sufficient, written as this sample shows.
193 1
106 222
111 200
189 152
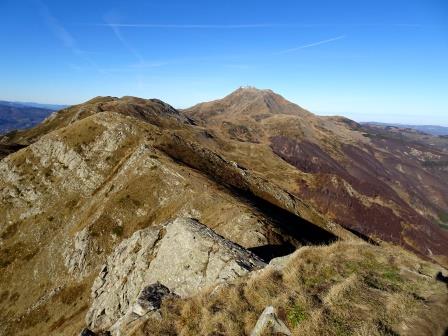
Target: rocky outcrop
75 257
88 332
183 255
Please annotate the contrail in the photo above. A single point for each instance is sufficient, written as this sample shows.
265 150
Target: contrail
125 43
310 45
62 34
251 25
194 26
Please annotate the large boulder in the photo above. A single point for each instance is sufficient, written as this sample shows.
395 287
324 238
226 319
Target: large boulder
183 255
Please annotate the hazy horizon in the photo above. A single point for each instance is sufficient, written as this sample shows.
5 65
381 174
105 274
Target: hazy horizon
371 61
356 117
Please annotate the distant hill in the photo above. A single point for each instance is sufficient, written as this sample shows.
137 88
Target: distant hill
20 115
53 107
428 129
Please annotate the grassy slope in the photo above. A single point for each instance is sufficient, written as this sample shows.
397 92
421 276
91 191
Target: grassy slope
343 289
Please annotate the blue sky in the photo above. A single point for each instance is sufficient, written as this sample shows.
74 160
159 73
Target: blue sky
368 60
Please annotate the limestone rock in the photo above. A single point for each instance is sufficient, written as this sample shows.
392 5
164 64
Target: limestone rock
269 324
75 257
183 255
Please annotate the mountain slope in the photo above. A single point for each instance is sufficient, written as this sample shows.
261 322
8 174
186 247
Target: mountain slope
349 172
427 129
328 290
71 196
86 201
147 110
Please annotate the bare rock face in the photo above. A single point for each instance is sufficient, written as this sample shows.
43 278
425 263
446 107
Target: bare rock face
75 257
183 255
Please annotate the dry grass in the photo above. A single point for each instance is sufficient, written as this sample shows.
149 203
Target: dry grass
18 251
342 289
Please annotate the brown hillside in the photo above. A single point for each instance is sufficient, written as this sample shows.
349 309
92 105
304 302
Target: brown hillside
348 172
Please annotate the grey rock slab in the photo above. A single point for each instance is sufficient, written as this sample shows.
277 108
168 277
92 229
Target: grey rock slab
183 255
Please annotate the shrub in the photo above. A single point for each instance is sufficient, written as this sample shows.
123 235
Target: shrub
296 315
443 217
118 230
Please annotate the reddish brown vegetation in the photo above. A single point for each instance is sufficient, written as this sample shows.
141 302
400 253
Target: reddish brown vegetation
368 177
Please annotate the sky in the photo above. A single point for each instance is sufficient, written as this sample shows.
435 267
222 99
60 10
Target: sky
369 60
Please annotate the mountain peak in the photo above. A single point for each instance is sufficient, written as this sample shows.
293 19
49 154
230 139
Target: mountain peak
246 101
253 89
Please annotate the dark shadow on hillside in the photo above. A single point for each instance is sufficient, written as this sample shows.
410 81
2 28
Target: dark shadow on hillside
300 231
303 231
269 252
440 277
295 231
6 149
362 236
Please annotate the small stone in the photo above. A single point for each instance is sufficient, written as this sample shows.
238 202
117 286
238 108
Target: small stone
269 323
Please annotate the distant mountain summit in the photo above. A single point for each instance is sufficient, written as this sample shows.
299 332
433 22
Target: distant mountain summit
246 102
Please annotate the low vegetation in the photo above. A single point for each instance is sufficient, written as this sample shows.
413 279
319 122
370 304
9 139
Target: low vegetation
341 289
435 164
443 217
